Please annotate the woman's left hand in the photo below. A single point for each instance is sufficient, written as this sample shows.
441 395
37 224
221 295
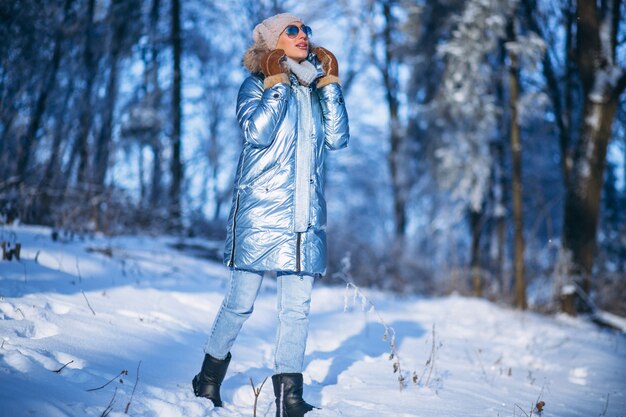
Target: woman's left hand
328 61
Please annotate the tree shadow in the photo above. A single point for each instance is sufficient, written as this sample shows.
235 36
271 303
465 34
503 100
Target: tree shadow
80 269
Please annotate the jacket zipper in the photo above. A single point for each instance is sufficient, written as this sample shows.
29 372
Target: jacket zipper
231 263
298 244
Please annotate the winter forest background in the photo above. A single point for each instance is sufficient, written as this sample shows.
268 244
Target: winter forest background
488 142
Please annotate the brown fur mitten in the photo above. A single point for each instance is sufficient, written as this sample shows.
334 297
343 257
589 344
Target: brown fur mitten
272 68
329 65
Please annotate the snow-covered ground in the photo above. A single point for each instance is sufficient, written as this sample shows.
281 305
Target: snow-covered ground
101 326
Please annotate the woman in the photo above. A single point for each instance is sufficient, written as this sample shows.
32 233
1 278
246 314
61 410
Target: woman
291 110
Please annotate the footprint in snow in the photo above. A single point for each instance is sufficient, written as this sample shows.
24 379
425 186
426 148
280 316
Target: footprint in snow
24 359
37 329
58 308
16 360
9 311
29 322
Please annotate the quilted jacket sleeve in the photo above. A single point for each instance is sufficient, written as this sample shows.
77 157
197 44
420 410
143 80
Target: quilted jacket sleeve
259 111
336 129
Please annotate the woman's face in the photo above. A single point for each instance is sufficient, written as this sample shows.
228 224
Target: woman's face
296 48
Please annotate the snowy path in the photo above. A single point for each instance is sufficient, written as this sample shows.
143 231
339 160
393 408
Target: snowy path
104 307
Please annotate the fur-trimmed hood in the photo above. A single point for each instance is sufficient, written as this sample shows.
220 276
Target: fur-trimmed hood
252 57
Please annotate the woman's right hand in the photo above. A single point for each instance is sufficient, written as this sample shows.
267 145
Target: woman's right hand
271 62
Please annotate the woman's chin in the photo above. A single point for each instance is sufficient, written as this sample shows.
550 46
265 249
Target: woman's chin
299 55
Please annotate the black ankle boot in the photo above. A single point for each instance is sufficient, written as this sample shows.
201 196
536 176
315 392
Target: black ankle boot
207 383
288 391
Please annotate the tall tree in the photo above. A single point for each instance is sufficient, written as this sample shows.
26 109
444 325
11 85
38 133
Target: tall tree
28 140
467 112
499 190
559 75
155 93
387 60
144 118
603 81
176 166
123 14
388 67
50 179
516 157
20 72
90 62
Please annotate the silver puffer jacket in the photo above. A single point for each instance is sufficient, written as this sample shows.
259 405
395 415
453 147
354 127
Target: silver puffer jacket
278 217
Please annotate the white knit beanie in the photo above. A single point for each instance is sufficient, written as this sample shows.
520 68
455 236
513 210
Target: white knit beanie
268 31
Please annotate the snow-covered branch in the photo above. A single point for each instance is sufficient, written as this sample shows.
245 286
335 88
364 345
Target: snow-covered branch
466 107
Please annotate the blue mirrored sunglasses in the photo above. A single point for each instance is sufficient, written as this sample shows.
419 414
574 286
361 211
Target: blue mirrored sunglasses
293 30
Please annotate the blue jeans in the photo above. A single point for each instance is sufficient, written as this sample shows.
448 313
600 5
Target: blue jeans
293 304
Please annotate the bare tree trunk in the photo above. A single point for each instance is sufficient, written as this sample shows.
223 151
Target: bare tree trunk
582 201
216 194
516 156
567 118
476 223
500 187
595 57
499 183
28 140
121 11
3 119
395 154
214 159
119 26
152 80
499 216
80 150
561 98
103 143
503 279
176 164
6 163
142 183
54 163
52 178
157 170
396 159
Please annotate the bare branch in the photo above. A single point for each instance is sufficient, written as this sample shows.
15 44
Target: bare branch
432 357
123 372
80 277
606 405
58 371
88 305
109 407
133 393
257 392
522 410
552 82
